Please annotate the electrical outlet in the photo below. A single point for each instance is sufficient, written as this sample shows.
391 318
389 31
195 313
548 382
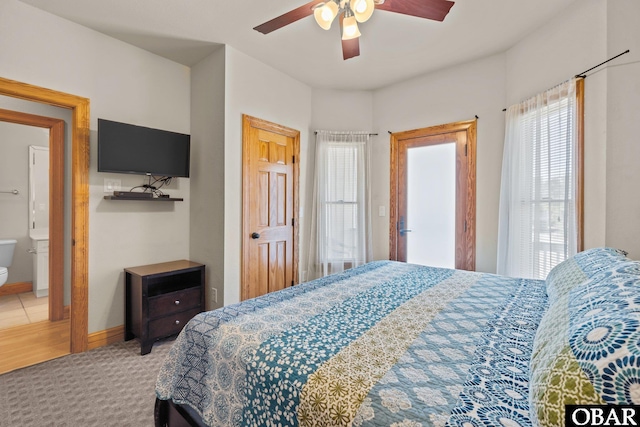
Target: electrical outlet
214 295
111 185
304 276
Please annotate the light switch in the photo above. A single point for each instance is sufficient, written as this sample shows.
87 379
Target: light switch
382 211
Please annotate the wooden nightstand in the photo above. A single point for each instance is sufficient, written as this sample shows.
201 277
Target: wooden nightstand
161 299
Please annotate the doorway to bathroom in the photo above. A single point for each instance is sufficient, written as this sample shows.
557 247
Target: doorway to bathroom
33 213
76 229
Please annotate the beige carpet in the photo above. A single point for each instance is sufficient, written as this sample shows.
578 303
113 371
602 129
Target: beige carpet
108 386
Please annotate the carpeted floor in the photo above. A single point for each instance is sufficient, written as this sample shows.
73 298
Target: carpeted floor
108 386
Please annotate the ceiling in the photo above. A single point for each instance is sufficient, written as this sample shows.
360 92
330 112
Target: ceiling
393 47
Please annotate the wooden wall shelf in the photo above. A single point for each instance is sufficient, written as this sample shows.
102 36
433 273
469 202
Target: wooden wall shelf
146 199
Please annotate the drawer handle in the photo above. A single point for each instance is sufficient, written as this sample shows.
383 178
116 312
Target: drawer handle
177 322
177 302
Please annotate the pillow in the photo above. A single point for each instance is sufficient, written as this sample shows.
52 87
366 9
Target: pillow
580 267
604 332
555 377
587 347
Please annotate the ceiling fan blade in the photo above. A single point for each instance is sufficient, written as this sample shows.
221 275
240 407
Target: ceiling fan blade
429 9
350 48
287 18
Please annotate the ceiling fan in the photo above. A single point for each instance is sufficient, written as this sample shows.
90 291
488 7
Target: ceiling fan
350 12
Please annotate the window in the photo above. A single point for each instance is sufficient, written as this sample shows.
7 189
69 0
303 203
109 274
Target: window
341 205
541 193
340 224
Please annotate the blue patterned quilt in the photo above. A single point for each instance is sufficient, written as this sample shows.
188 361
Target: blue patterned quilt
385 344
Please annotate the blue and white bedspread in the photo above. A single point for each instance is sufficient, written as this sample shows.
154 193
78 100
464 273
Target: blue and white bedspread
385 344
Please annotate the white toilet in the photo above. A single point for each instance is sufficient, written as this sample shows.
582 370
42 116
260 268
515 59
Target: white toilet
6 258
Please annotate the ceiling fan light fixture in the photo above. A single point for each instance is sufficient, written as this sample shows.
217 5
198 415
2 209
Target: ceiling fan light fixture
350 28
362 9
352 12
325 14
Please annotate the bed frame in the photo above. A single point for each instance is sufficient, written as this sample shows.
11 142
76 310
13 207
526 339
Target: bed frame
169 414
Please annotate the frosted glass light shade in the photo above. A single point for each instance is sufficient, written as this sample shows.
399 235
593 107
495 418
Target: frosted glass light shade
325 14
362 9
350 28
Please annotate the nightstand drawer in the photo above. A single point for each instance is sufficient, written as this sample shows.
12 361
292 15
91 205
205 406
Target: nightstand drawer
170 325
174 302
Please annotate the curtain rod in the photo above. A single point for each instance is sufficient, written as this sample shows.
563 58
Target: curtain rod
371 134
583 74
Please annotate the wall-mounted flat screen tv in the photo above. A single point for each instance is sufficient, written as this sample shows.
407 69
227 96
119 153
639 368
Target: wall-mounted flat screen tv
125 148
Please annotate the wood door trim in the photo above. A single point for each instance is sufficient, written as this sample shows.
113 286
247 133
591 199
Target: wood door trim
247 123
79 106
470 127
580 162
56 202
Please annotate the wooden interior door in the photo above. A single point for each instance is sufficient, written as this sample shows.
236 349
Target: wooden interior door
457 141
270 180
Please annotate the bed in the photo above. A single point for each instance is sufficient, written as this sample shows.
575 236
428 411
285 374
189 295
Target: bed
394 344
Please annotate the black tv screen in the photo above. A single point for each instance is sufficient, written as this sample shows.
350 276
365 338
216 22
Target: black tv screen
125 148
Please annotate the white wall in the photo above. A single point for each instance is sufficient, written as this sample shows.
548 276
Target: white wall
456 94
15 140
341 110
572 42
206 242
125 84
623 144
260 91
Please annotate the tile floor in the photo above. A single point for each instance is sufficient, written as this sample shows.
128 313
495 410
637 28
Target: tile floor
22 309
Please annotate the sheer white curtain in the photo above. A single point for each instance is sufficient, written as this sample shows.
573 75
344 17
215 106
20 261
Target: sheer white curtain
538 222
340 223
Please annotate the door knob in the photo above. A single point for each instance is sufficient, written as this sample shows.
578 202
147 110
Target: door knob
401 228
255 235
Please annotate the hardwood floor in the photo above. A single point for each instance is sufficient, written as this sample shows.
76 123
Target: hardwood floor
28 345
